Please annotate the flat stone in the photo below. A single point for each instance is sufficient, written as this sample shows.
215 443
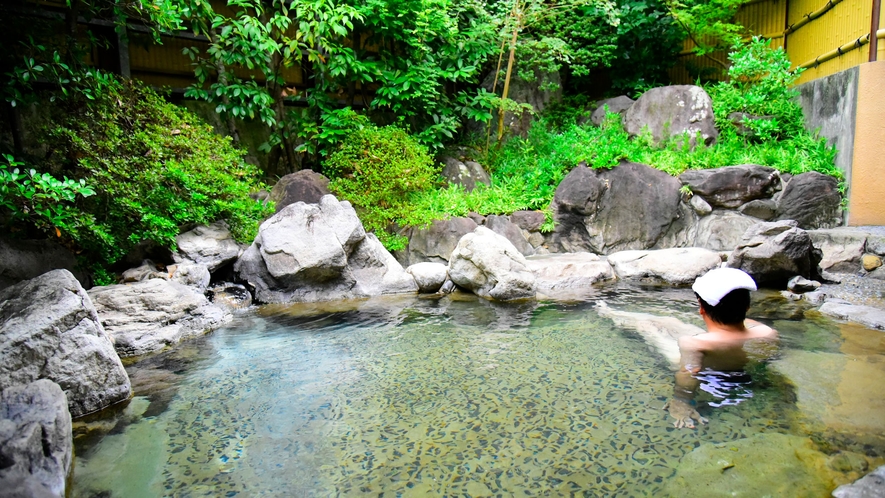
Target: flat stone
866 315
568 274
677 266
148 316
841 391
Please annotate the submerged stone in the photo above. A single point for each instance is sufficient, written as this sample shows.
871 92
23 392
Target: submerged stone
767 464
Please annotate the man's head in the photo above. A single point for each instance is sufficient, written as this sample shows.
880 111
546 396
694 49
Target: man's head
724 294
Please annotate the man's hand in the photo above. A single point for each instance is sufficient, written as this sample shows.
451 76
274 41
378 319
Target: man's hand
683 413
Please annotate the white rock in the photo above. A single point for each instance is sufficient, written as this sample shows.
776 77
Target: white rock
567 274
429 276
490 266
211 245
679 266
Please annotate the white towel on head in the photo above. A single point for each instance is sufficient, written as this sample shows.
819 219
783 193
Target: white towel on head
716 284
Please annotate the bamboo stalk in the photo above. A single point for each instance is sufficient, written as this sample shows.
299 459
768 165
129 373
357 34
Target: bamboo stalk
842 50
516 17
494 89
874 28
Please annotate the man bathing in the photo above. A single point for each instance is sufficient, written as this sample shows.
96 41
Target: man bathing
724 298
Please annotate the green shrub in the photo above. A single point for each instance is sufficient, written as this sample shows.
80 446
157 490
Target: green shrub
38 199
380 171
759 83
155 168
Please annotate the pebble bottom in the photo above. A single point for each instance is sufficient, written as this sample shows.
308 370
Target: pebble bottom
549 400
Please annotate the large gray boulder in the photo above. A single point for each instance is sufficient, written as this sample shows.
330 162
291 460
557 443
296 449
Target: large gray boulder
722 230
488 264
211 245
617 105
774 252
732 186
675 266
36 445
26 259
871 485
319 252
842 248
813 200
528 220
671 111
631 206
467 174
502 225
49 329
764 209
302 186
436 242
568 274
147 316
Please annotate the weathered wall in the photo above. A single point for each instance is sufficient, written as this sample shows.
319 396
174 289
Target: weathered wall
830 103
867 188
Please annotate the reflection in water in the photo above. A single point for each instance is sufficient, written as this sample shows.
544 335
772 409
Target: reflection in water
406 396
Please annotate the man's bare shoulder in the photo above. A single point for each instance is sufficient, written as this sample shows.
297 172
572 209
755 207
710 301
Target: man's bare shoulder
759 330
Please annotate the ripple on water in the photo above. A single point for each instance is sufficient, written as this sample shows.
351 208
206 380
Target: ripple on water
413 397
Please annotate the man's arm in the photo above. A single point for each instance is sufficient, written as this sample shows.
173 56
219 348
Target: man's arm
691 360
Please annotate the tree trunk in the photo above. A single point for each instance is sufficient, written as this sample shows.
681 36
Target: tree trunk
509 72
221 73
15 125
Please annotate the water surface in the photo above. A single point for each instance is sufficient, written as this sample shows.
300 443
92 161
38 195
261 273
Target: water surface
446 397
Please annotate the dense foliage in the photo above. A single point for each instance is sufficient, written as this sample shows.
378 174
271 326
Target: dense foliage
525 172
385 84
148 168
760 83
380 171
421 59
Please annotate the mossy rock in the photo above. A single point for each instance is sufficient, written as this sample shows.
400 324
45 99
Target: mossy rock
768 464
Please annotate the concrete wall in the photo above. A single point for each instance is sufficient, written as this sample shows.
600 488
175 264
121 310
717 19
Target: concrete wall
866 204
830 104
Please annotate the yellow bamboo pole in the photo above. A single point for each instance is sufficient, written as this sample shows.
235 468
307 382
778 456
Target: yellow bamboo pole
495 89
842 50
515 16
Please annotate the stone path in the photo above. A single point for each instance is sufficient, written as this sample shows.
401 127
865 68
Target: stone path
857 297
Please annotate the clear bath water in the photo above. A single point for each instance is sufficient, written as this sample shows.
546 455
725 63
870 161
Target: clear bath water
434 397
